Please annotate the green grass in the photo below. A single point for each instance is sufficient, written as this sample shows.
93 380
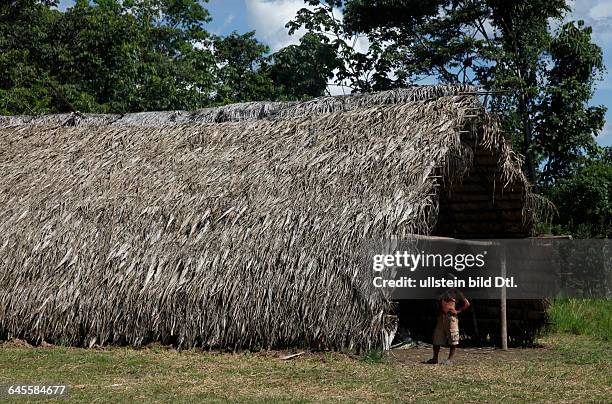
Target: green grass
374 356
582 317
583 350
568 369
574 365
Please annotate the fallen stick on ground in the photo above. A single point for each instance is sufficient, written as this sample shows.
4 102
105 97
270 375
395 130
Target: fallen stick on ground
292 356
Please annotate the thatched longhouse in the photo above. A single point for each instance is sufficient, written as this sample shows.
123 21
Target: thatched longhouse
238 226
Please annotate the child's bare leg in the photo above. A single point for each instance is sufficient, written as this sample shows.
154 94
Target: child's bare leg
436 353
451 353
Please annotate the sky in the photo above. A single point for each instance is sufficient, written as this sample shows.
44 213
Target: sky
268 18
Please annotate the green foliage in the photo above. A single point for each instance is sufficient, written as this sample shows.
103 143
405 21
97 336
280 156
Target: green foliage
565 122
105 56
241 75
584 199
246 72
361 71
23 44
582 317
141 55
303 70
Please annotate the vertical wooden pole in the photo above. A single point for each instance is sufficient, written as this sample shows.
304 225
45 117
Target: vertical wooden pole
503 311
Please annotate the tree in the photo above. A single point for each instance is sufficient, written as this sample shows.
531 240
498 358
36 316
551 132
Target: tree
565 122
304 70
357 70
105 56
584 199
242 69
141 55
24 44
247 72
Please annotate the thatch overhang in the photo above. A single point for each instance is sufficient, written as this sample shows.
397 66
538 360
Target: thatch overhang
239 226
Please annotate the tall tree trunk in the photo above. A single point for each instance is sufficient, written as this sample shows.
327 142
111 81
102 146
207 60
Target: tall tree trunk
528 164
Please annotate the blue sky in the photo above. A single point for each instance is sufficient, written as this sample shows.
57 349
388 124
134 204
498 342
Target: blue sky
268 18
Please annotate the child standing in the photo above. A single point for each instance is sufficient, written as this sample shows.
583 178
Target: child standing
451 303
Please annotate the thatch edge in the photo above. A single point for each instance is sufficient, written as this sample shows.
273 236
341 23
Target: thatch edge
247 111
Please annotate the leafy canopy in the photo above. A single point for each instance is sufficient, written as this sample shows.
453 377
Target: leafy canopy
139 55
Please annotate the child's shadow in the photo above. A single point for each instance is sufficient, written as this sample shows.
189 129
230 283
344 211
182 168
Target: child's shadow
442 362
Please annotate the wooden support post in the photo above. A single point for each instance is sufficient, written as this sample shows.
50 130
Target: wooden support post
503 309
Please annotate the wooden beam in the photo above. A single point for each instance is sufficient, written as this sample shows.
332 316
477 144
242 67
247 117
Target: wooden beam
451 240
503 308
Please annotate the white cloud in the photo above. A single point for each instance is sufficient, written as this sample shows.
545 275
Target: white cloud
602 10
268 18
228 20
64 4
596 13
338 90
605 136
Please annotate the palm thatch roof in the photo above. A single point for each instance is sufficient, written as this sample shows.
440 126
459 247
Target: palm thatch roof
236 226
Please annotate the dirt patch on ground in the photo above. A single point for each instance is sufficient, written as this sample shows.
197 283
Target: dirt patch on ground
466 356
15 343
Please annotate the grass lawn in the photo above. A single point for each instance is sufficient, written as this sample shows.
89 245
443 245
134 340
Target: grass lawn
567 368
582 316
